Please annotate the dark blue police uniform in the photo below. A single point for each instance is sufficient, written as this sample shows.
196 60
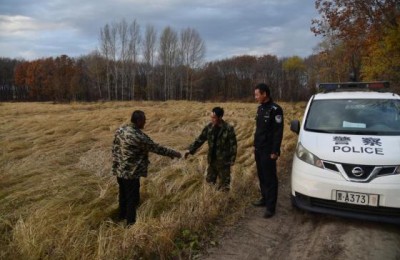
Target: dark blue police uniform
267 140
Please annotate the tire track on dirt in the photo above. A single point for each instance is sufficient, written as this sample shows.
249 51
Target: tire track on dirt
294 234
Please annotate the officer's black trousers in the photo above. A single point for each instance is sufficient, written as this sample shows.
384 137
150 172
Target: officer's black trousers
266 169
129 198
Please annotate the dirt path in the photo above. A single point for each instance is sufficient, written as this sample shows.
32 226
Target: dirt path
293 234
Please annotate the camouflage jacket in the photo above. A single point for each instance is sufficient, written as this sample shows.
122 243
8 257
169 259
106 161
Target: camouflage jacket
130 151
226 143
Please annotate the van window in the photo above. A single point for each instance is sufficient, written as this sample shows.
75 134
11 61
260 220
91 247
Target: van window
354 116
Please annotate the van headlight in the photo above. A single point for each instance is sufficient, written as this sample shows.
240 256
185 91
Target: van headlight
304 155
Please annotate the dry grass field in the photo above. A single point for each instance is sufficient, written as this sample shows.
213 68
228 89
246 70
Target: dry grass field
58 199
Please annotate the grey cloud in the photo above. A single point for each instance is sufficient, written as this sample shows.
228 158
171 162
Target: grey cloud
229 27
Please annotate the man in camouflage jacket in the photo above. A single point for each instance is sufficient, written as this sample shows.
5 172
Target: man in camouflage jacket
130 153
222 148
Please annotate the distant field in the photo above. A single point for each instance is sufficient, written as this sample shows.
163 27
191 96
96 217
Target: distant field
58 199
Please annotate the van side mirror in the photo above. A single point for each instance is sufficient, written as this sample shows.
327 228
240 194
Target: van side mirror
295 126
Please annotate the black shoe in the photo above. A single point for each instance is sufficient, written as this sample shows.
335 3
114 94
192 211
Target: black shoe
259 203
269 214
130 224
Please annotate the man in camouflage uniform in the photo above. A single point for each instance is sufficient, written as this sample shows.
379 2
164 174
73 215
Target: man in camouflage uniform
222 148
130 153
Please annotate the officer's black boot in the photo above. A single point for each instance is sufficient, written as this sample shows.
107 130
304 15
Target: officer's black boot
259 203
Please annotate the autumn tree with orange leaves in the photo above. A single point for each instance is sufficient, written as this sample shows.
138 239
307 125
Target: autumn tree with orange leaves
365 30
59 79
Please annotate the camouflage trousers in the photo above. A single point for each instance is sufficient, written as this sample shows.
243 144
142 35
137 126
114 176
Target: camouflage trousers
219 171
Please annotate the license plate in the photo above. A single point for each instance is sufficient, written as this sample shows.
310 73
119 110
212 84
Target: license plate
357 198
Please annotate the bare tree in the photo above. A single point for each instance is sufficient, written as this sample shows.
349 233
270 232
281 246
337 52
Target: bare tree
94 63
193 51
168 56
149 51
134 44
124 54
114 55
105 48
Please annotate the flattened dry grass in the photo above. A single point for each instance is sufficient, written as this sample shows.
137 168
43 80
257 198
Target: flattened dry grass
59 201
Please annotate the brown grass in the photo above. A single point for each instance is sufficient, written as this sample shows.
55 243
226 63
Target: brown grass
58 199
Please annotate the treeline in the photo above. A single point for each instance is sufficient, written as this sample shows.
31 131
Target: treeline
360 42
64 79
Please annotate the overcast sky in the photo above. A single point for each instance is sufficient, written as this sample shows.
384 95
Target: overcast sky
33 29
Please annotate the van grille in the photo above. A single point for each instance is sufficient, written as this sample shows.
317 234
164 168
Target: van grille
331 166
386 171
364 171
359 173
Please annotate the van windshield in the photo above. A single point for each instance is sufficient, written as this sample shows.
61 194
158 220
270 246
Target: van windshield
355 116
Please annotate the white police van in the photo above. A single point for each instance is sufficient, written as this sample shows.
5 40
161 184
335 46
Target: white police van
347 160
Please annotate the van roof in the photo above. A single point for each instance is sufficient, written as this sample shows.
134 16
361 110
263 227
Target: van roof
356 95
353 86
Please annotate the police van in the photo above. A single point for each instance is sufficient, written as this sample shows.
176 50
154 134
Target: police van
347 159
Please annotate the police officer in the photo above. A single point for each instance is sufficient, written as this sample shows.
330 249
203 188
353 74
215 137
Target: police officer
222 146
130 153
267 142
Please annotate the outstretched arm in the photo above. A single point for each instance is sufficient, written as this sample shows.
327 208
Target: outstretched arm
198 142
148 144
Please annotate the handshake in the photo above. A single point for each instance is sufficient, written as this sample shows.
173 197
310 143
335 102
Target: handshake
176 154
185 155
